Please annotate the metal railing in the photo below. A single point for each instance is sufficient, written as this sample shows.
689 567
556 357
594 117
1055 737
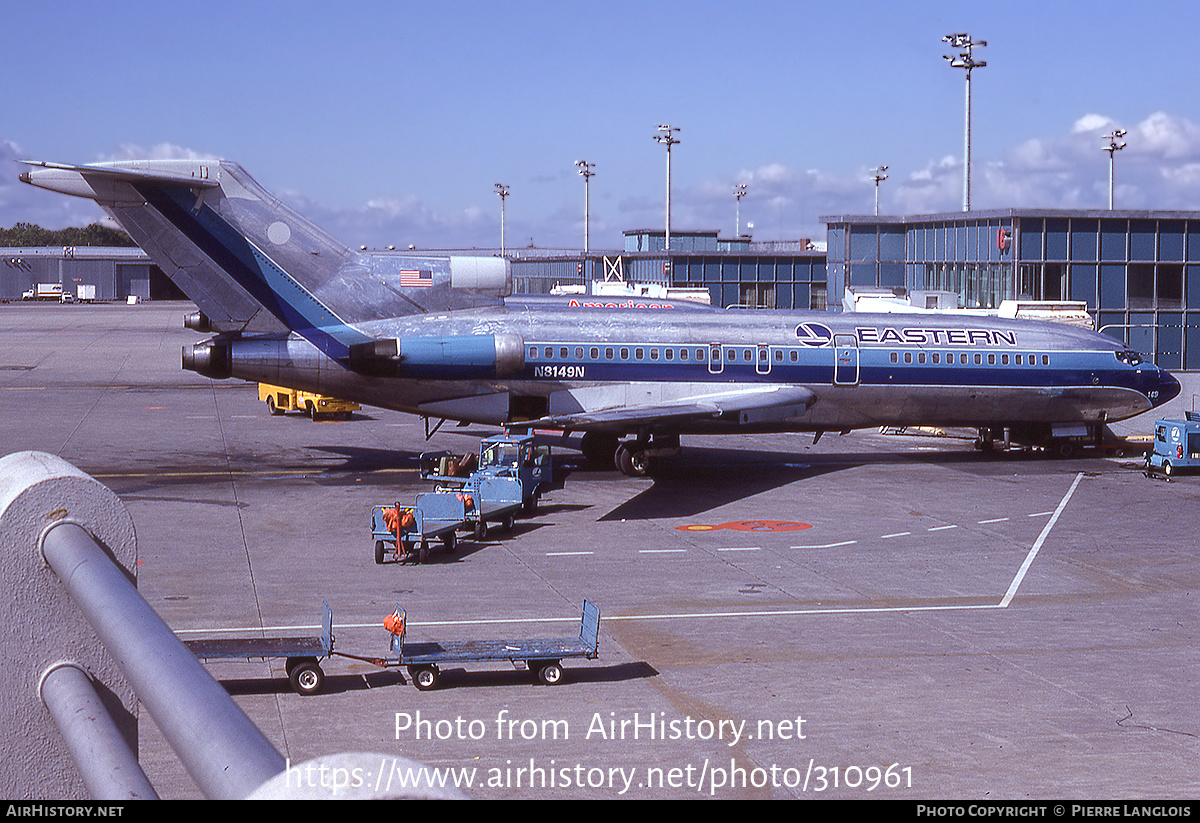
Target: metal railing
78 635
223 751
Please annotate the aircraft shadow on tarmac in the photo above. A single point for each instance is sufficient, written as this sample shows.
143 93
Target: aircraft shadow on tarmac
701 479
448 679
698 480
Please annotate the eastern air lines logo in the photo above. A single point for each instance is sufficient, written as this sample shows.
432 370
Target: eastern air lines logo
814 334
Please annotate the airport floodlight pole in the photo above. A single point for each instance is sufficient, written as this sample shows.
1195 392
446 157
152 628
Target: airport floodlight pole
1112 148
668 139
739 191
502 190
878 176
965 60
585 168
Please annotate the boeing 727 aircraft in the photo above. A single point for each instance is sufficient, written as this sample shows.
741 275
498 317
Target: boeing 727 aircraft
433 336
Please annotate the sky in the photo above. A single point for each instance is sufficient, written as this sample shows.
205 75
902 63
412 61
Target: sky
389 123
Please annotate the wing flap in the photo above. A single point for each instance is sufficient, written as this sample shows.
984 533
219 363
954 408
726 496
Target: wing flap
751 403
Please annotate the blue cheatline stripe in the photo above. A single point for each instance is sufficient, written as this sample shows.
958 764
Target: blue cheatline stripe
1073 369
251 269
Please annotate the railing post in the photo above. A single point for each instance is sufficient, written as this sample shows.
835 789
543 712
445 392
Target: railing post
41 628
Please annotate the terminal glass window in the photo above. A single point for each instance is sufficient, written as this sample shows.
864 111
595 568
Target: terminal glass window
1056 239
1113 238
1141 240
1170 240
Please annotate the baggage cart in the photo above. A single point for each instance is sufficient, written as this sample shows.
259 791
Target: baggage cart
303 654
433 516
542 656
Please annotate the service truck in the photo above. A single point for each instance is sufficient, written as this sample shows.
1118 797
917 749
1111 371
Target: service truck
280 399
44 291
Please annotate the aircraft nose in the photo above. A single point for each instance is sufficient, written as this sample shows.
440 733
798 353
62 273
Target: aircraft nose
1168 387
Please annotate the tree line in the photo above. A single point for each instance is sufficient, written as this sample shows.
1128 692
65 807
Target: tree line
30 234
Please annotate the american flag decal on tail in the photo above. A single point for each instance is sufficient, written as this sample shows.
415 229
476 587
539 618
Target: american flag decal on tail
418 279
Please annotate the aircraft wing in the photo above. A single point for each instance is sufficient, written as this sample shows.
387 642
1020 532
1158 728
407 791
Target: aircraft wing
751 402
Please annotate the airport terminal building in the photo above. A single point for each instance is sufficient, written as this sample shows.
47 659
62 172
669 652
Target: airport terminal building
1137 271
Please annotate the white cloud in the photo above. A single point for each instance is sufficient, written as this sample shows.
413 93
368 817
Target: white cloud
1160 169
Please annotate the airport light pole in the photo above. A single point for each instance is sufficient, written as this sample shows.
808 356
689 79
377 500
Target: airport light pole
1112 148
965 60
502 190
668 139
878 176
585 168
739 191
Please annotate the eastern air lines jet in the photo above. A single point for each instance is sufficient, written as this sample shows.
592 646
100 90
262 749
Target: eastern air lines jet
433 336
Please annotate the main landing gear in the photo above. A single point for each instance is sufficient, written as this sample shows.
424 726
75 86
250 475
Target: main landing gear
635 457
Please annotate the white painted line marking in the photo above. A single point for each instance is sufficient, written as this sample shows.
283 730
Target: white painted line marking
1008 596
994 520
942 528
661 551
1039 514
1037 545
566 554
742 549
828 545
897 534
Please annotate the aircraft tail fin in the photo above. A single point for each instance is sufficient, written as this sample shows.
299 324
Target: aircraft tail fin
251 263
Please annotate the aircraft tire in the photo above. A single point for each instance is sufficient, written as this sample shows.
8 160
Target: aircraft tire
634 462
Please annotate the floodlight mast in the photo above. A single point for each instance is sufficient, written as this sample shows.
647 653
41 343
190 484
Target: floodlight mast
585 169
668 139
965 60
1112 148
739 191
878 176
502 190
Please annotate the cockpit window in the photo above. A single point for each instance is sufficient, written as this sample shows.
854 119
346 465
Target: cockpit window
1129 357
